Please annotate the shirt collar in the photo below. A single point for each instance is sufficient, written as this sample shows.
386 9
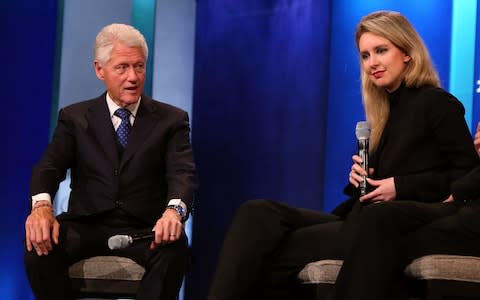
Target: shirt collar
112 106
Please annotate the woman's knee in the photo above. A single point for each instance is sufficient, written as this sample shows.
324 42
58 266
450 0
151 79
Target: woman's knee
378 213
258 207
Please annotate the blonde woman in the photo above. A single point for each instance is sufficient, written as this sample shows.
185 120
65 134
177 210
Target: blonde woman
420 143
416 129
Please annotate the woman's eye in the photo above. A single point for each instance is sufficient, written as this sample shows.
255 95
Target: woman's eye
381 50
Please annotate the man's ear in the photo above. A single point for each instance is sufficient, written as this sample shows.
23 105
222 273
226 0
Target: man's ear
98 70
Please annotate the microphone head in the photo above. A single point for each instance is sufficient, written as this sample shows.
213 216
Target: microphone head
362 130
119 242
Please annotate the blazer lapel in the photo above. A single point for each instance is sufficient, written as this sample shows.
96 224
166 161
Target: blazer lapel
145 121
101 127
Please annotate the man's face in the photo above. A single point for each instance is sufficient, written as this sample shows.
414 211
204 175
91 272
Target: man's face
123 74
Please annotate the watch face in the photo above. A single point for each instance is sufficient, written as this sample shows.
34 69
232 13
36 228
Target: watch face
179 210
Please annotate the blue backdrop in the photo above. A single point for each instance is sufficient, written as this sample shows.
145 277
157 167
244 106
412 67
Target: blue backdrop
259 112
476 83
28 49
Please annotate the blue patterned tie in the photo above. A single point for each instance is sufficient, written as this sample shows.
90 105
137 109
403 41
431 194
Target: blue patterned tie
124 128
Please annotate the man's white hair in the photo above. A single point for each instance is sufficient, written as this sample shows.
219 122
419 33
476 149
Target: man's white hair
117 33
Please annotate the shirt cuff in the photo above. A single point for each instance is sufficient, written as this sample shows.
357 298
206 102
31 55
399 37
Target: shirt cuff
178 202
41 197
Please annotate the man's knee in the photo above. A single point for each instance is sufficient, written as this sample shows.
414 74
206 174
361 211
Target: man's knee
33 261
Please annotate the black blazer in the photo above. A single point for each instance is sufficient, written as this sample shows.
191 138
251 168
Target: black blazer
425 146
156 166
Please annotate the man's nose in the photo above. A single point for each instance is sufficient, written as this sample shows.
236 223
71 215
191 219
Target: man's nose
132 74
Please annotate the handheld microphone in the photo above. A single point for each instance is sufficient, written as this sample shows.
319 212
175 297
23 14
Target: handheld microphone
362 131
122 241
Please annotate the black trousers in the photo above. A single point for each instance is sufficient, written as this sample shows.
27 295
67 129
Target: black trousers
389 237
86 237
267 244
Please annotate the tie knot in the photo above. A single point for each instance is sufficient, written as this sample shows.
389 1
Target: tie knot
122 113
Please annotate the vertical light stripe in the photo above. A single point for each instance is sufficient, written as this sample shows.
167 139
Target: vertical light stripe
169 28
56 67
174 52
143 18
462 60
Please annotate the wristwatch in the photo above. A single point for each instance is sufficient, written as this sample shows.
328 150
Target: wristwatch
180 210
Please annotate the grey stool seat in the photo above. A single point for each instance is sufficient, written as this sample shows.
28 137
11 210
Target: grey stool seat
443 276
322 271
445 267
106 276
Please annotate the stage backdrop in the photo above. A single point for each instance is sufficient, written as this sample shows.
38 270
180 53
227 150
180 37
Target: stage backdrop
28 49
476 80
260 111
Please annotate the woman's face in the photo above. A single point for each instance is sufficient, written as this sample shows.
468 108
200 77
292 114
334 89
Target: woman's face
382 61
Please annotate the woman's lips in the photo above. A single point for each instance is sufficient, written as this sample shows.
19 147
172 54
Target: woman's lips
378 74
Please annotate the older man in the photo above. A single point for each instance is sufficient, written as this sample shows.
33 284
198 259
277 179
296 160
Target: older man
132 171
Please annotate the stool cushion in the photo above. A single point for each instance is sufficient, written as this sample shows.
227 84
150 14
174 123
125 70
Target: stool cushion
322 271
445 267
107 267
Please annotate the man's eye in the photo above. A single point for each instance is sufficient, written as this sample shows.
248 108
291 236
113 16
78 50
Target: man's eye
121 68
140 68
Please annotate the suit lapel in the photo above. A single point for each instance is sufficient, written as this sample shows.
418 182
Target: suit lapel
145 121
101 127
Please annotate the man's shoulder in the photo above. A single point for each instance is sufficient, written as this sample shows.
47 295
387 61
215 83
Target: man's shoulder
160 106
83 105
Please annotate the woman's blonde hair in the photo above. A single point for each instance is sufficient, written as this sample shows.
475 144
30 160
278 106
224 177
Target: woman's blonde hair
419 70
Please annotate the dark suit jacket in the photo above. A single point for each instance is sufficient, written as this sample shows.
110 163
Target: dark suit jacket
156 166
466 191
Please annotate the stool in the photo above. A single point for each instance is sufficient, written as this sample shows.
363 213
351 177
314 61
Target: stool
106 277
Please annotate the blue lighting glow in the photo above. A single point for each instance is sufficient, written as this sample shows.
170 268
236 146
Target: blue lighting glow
462 60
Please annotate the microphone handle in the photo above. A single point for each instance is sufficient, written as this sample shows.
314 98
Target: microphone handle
363 153
143 236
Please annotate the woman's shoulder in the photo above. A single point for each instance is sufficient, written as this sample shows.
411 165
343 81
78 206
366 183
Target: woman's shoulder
429 92
431 95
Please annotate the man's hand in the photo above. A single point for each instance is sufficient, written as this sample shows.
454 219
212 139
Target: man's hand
168 228
449 199
41 227
384 190
476 140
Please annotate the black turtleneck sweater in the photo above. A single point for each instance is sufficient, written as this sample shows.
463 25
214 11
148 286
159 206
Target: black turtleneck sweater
426 144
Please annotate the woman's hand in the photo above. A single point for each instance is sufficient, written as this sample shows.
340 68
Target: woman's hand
384 190
357 172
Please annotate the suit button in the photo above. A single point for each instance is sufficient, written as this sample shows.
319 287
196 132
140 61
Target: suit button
115 172
119 203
